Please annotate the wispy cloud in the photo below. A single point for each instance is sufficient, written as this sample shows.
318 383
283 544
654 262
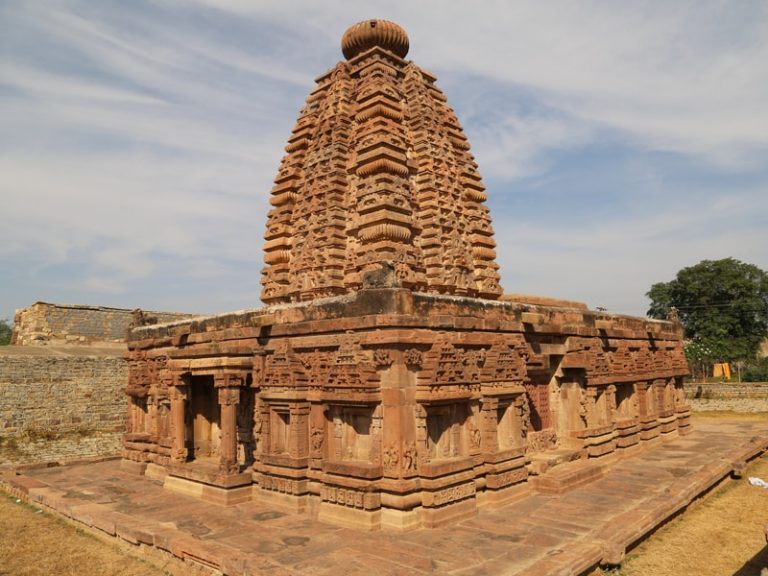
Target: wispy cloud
620 142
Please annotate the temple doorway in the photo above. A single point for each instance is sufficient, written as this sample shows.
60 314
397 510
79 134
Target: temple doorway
203 419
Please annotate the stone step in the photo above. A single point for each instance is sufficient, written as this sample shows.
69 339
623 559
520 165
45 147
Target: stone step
541 462
568 476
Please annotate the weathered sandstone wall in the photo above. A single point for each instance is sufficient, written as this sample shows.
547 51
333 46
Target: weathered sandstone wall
60 407
51 324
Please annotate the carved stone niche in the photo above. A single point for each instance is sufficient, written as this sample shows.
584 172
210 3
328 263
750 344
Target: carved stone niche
138 419
279 430
352 443
353 432
680 400
282 451
506 418
511 427
645 401
598 407
164 421
682 407
666 398
648 412
626 402
448 435
351 463
282 432
599 436
447 431
657 389
138 444
627 415
669 395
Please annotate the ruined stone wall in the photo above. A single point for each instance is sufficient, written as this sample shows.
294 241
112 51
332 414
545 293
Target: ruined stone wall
57 408
44 324
744 397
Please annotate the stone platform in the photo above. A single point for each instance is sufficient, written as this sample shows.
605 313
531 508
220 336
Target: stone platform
539 534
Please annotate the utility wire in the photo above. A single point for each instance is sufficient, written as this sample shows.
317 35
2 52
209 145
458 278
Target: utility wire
690 307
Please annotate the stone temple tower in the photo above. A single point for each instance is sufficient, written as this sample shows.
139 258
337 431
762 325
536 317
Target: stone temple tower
378 170
387 383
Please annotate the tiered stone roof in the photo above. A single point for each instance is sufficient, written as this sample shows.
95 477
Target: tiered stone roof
378 173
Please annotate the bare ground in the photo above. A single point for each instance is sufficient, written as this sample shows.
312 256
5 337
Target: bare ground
34 543
720 536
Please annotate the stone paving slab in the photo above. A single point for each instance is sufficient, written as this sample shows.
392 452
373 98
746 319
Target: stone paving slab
541 534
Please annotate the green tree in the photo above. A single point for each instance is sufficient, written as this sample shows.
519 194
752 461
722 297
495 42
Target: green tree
722 304
5 333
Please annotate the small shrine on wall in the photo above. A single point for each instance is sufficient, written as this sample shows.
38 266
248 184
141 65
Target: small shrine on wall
387 382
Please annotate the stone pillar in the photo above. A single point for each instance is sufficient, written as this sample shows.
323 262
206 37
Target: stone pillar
229 397
179 395
151 425
611 407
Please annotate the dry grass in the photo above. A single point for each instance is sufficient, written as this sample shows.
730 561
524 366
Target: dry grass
33 543
722 535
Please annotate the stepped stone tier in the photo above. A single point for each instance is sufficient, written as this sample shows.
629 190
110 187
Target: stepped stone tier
378 170
387 383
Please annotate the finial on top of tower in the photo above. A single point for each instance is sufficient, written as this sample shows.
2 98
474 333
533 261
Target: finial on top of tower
369 33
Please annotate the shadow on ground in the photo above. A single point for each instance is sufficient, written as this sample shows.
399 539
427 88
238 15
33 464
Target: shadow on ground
754 565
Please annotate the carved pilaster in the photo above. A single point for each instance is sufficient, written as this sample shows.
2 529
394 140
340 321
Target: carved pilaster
179 395
610 392
228 401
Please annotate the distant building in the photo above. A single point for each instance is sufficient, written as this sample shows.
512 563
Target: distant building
46 324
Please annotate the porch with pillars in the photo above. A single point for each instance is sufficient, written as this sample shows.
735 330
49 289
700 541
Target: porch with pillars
204 435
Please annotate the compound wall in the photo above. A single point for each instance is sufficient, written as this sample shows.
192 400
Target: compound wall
52 324
735 397
60 407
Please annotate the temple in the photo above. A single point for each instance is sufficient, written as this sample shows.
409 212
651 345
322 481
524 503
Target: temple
387 381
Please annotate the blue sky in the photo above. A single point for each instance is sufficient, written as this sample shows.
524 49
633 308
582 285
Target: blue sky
619 141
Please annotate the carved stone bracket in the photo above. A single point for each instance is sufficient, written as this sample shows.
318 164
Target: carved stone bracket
229 396
228 380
